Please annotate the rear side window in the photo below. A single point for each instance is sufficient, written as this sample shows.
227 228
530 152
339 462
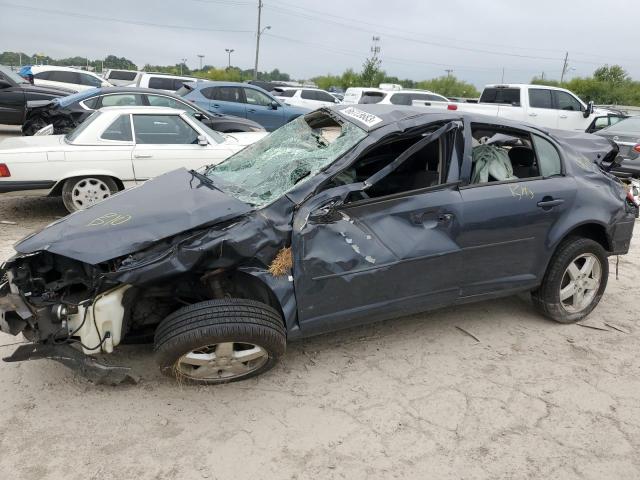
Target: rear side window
184 90
160 101
540 98
121 100
284 93
324 97
42 75
548 157
308 94
161 83
122 75
408 98
119 130
371 97
224 94
64 77
510 96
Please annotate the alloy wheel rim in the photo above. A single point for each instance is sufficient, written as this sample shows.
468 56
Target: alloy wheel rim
89 191
222 361
580 282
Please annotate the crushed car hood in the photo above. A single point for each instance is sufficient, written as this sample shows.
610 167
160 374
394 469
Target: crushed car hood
134 219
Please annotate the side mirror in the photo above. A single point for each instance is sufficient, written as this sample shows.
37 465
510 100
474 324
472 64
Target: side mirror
274 105
589 110
105 84
4 84
202 141
198 116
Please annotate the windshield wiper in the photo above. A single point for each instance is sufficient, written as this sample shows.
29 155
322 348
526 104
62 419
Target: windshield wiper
204 179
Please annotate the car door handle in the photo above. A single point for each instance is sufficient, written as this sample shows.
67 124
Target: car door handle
547 203
563 116
215 105
142 155
251 110
533 114
445 217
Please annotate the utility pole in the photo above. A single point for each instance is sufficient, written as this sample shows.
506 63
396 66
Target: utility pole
229 52
184 62
255 67
502 81
449 71
200 56
565 65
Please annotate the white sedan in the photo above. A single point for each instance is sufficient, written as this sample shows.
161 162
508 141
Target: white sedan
115 148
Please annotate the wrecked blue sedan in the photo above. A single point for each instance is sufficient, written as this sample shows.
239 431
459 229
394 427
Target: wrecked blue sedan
342 217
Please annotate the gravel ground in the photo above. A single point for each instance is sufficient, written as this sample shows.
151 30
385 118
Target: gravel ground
410 398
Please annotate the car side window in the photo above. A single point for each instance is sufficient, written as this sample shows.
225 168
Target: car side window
121 100
64 77
308 94
565 101
548 157
325 97
224 94
161 101
163 130
540 98
284 93
42 75
161 83
255 97
119 130
89 80
92 103
501 155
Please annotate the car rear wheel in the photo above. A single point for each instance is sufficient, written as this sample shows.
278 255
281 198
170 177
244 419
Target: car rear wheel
575 281
79 193
220 341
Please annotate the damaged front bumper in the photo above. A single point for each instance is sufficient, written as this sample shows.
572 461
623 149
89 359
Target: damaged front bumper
96 325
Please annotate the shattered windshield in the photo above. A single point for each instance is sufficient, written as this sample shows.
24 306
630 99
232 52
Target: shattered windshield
295 152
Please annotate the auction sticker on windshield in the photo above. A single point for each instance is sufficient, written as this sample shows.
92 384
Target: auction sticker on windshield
367 118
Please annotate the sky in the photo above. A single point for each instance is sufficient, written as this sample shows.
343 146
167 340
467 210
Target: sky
418 39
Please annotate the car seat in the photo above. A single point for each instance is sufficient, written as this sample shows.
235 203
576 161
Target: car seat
522 161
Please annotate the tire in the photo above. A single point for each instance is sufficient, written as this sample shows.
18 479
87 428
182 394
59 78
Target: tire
547 298
79 193
189 343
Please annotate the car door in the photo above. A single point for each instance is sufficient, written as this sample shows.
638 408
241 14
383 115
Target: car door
505 226
541 110
12 103
570 112
225 100
260 108
367 257
167 142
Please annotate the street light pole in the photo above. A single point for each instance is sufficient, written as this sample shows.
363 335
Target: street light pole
258 35
229 52
200 56
184 62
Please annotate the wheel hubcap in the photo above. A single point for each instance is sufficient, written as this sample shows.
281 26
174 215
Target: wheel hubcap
580 283
222 361
89 191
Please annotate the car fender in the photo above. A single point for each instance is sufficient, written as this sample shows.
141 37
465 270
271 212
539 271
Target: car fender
57 188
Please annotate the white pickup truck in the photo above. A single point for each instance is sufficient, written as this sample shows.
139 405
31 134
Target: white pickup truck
547 107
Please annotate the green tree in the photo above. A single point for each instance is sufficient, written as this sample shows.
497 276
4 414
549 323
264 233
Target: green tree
449 86
371 73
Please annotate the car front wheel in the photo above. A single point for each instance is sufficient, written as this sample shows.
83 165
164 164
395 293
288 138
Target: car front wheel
79 193
574 282
220 341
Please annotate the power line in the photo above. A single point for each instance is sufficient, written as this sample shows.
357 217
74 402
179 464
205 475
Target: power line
346 24
119 20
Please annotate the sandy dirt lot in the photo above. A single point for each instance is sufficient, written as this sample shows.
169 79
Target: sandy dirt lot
410 398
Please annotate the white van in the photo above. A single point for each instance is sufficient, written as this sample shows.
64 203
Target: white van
163 81
66 77
390 94
305 97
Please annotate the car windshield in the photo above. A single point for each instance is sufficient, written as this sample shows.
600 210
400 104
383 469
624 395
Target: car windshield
7 72
76 97
269 168
628 125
